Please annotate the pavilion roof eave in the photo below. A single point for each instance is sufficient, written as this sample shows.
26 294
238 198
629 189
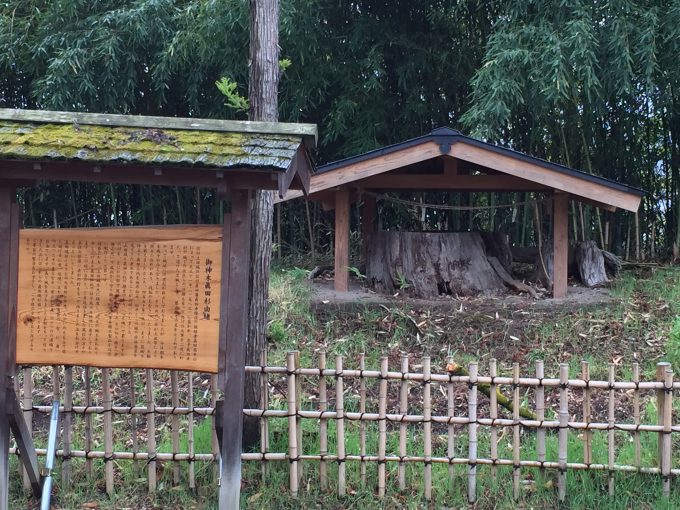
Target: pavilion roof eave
362 171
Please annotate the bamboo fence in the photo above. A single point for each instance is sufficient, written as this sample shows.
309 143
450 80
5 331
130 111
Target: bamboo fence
400 420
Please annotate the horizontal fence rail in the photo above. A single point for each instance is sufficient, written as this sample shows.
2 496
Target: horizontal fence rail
315 421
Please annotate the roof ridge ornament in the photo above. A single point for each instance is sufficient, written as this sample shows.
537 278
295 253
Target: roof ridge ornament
445 131
443 135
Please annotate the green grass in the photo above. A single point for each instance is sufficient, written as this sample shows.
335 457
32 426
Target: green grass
634 328
642 325
585 490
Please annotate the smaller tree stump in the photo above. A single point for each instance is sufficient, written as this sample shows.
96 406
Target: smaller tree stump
590 263
612 263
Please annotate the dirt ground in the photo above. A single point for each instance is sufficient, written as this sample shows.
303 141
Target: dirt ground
578 297
587 324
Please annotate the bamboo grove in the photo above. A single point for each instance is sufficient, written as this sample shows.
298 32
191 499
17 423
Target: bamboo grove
593 85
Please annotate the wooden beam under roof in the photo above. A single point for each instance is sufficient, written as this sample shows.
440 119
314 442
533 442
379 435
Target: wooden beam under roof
327 197
452 182
237 178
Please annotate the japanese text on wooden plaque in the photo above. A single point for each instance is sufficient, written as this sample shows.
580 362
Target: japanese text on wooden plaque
141 297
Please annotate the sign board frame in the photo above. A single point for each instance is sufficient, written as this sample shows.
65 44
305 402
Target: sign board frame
234 181
120 297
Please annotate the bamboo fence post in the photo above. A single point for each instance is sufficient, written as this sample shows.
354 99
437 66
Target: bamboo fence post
28 411
108 431
472 434
403 410
583 223
298 418
563 431
292 427
515 432
190 433
587 434
427 426
540 416
174 425
151 431
611 432
340 424
264 421
636 414
67 427
323 424
382 426
667 439
362 410
214 393
493 414
660 402
135 423
88 419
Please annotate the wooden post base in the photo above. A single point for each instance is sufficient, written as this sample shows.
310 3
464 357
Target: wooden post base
560 244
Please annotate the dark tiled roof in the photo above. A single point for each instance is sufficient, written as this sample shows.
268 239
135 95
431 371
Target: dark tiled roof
446 137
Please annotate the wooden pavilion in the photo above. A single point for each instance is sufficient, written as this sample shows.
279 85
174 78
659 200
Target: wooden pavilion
232 157
447 160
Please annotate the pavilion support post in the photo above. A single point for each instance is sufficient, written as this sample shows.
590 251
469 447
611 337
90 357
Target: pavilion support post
232 343
9 239
368 217
560 243
342 240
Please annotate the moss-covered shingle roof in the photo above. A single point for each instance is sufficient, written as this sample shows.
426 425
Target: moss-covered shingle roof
105 144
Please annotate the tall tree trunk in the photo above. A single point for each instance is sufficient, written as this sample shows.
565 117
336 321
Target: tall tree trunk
264 106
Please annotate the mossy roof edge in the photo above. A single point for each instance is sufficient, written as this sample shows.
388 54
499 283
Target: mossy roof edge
155 146
308 132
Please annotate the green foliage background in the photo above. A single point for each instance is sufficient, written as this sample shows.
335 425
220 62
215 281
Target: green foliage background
593 85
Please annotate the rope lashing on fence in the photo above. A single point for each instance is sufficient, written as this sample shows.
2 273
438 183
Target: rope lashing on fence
456 369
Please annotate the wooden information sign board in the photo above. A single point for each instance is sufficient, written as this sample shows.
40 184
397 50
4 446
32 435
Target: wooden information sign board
138 297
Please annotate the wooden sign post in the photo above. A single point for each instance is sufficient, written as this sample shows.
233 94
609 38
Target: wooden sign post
233 335
90 298
9 237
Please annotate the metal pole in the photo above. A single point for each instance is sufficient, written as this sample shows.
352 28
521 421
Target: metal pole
49 463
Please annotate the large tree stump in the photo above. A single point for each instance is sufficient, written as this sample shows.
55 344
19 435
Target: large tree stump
429 264
591 264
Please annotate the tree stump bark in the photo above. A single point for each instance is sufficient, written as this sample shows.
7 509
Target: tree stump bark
591 264
612 263
430 264
497 246
543 265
